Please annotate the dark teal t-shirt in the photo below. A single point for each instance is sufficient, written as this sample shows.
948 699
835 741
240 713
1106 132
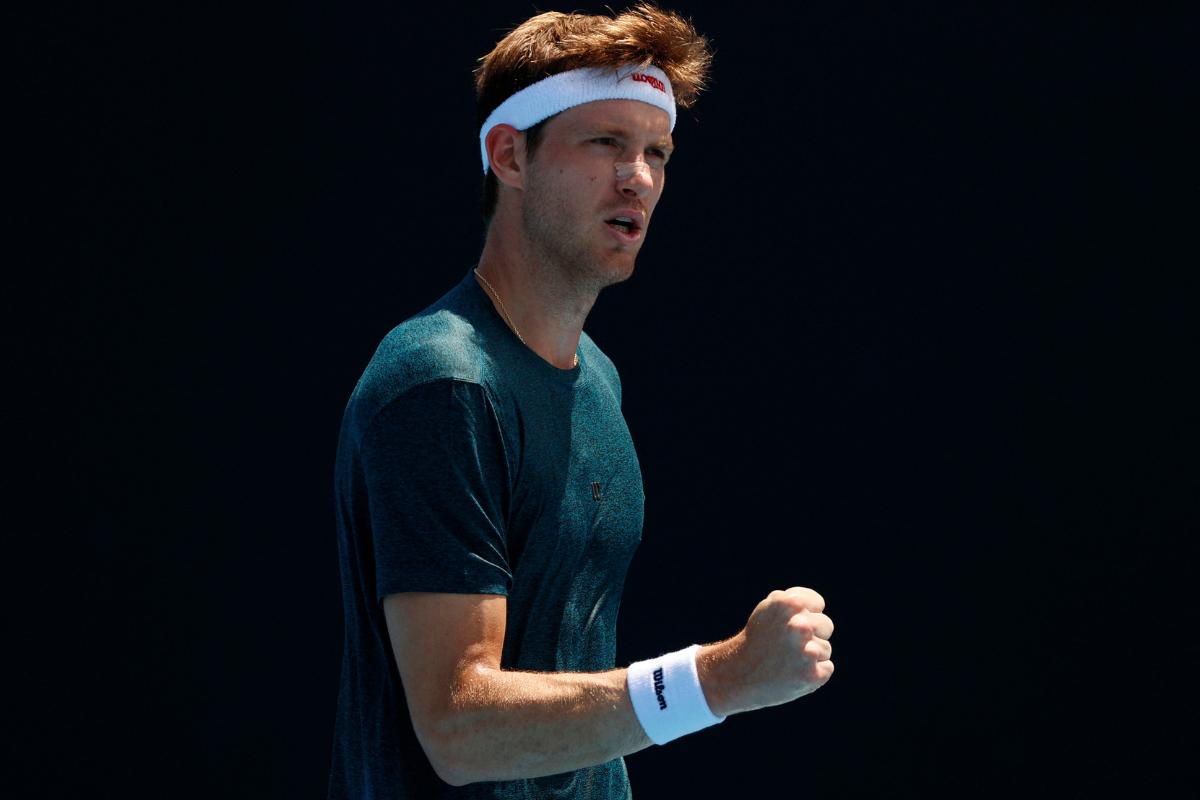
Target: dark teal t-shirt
468 464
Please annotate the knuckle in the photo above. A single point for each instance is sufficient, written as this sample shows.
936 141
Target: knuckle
798 624
809 597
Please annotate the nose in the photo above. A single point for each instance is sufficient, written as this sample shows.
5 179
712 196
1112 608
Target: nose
634 178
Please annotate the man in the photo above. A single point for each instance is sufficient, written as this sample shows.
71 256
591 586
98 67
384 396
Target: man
489 497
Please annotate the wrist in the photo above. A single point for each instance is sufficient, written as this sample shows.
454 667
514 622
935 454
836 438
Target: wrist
715 669
667 696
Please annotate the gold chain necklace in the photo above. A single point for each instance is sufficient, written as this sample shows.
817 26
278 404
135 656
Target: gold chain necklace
508 318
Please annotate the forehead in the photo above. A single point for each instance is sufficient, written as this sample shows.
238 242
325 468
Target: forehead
632 117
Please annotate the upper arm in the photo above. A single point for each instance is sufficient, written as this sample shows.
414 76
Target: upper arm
438 640
435 486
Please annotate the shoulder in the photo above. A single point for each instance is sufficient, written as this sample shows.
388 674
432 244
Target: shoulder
440 344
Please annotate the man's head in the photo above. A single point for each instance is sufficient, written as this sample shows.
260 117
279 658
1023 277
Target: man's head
555 43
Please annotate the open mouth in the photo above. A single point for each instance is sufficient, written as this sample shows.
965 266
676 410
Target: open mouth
627 227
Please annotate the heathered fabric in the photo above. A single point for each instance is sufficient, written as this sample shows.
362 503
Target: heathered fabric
468 464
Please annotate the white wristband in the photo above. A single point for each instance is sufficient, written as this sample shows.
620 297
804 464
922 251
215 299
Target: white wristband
667 696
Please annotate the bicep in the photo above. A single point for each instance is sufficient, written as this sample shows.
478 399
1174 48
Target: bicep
437 640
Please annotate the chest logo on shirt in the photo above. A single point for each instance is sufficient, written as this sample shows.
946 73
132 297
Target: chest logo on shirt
596 491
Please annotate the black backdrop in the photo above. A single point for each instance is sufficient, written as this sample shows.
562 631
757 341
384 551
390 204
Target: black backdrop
911 329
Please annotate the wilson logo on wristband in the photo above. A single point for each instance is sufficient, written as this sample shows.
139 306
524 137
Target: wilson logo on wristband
658 689
688 709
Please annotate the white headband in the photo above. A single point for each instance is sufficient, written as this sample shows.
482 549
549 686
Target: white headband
575 87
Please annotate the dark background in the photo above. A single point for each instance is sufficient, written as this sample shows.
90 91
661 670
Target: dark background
913 328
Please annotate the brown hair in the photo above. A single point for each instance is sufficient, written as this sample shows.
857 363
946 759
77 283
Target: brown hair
555 42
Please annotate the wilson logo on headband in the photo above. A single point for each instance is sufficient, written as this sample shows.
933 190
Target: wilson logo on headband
650 79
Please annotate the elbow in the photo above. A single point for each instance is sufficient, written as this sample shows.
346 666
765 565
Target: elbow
448 753
455 773
450 773
453 735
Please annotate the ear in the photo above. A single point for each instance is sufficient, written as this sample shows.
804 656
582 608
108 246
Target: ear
506 154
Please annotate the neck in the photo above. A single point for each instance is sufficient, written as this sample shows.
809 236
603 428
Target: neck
546 304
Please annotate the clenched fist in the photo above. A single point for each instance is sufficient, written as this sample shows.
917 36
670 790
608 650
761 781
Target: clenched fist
782 653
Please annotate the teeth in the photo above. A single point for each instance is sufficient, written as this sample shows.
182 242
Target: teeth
625 219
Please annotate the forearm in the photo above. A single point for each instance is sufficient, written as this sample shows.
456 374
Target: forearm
502 725
477 722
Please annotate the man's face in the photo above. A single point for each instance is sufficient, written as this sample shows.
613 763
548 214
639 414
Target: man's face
574 204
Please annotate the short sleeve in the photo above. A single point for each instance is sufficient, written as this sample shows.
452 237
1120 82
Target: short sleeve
437 488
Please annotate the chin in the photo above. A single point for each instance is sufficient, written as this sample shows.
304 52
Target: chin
604 269
616 272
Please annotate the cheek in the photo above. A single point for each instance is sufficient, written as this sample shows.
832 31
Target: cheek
659 185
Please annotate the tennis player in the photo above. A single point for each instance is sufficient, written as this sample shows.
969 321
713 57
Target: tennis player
489 498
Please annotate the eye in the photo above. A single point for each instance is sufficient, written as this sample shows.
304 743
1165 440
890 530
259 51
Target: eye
605 140
661 155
